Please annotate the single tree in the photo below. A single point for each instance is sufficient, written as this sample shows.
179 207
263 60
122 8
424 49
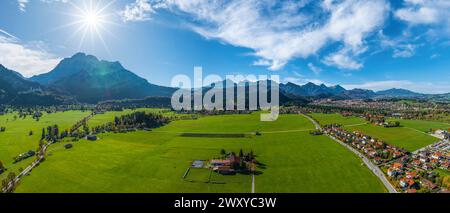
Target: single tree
223 152
43 134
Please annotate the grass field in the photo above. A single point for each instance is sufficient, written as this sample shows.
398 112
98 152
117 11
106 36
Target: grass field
410 136
325 119
155 161
16 139
422 125
407 138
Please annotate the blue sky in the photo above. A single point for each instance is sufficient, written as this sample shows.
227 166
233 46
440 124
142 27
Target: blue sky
372 44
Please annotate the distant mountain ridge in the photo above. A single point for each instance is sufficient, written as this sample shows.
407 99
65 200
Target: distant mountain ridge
338 92
86 79
394 92
91 80
311 89
16 90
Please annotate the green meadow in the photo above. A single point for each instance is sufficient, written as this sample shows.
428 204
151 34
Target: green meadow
407 138
155 161
17 139
335 118
422 125
411 135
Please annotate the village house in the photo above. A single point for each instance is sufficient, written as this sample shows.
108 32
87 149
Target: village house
428 184
225 166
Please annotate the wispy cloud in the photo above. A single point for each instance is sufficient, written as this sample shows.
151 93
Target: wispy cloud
402 47
140 10
432 13
342 60
22 4
404 51
28 59
280 31
314 68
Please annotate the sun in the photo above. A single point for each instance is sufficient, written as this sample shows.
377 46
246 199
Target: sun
91 21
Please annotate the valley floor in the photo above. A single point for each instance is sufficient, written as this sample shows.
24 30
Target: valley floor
155 161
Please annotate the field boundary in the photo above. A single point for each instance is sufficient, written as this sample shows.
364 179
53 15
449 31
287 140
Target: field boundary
214 135
372 167
422 132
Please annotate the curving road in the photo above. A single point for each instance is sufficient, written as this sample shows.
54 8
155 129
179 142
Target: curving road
377 171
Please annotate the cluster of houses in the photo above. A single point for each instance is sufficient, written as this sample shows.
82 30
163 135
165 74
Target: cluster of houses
410 172
395 106
418 171
380 120
376 150
442 134
435 156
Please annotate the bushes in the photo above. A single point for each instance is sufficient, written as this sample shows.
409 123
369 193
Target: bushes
392 124
24 156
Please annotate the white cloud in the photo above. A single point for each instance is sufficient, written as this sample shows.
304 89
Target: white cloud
434 56
314 68
22 4
261 62
402 48
342 60
280 31
433 14
404 51
424 11
29 60
422 87
140 10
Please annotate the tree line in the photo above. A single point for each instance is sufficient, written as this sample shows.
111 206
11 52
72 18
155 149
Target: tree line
133 121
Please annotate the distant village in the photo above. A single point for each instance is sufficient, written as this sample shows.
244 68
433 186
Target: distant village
408 172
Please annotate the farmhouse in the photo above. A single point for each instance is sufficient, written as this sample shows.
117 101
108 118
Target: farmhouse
220 162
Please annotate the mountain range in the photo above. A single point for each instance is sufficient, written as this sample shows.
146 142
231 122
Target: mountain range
90 80
85 79
17 90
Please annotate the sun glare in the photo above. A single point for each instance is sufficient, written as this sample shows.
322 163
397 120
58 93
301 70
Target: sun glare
91 21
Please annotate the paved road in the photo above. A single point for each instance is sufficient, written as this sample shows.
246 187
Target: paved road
377 171
253 183
25 171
